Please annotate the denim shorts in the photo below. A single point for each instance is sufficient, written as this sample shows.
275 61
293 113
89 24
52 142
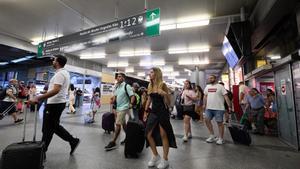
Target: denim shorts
218 114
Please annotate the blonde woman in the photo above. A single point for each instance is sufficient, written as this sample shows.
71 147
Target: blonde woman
71 99
159 130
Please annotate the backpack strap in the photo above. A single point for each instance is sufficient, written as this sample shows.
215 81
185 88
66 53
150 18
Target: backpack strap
126 91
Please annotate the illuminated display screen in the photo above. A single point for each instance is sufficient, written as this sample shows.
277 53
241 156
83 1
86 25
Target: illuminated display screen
229 53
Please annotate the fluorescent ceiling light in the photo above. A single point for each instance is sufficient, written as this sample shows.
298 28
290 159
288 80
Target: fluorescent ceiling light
198 50
193 24
126 53
171 73
187 70
193 18
171 77
142 53
117 64
274 57
186 22
192 61
189 50
167 68
135 53
158 62
93 56
129 69
22 59
141 74
3 63
167 27
73 48
36 41
177 51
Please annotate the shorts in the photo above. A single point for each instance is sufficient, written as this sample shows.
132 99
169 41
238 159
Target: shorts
121 116
218 114
191 113
5 105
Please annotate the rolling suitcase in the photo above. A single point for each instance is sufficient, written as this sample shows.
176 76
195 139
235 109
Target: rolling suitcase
25 154
135 138
239 134
108 121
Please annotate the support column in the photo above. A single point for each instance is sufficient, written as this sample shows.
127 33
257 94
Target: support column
198 77
202 79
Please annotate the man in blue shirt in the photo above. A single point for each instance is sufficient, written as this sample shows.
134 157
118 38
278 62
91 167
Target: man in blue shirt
124 99
256 103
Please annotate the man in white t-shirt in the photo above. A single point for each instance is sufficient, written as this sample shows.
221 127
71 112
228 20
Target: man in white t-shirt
56 103
213 104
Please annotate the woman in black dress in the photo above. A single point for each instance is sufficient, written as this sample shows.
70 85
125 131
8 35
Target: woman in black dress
159 131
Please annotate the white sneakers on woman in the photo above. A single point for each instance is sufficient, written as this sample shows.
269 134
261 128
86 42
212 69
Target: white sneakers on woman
163 164
157 161
154 161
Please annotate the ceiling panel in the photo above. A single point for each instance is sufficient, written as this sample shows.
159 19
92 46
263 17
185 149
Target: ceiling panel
28 19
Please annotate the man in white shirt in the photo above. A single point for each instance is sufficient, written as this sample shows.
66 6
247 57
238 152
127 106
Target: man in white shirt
56 95
213 104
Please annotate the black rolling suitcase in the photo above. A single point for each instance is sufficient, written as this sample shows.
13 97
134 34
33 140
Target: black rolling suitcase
25 154
135 139
239 134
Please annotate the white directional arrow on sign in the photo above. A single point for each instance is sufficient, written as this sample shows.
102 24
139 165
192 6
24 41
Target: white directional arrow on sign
152 15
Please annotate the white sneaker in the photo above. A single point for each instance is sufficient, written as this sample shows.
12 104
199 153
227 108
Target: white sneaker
211 139
220 141
163 164
185 138
154 161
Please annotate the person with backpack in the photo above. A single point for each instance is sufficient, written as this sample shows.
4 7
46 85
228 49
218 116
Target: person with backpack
9 100
123 96
137 103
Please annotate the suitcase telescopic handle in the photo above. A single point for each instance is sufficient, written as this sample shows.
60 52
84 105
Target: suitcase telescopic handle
25 121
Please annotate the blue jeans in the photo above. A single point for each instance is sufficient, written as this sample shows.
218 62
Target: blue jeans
218 114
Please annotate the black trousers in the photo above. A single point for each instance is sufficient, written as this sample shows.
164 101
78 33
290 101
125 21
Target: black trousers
51 124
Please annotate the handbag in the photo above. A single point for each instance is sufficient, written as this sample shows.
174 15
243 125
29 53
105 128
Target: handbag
189 108
19 106
269 114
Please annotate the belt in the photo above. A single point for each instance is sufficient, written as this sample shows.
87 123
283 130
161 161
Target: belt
257 108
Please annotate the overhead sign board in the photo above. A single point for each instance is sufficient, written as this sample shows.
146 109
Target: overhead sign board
141 25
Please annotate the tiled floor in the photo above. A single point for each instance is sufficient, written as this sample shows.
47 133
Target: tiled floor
264 153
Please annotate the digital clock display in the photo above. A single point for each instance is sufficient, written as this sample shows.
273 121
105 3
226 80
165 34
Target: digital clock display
133 21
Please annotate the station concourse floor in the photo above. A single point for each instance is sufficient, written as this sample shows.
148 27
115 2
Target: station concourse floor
266 152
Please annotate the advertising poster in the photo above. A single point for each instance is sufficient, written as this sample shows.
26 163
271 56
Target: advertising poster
283 87
107 89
